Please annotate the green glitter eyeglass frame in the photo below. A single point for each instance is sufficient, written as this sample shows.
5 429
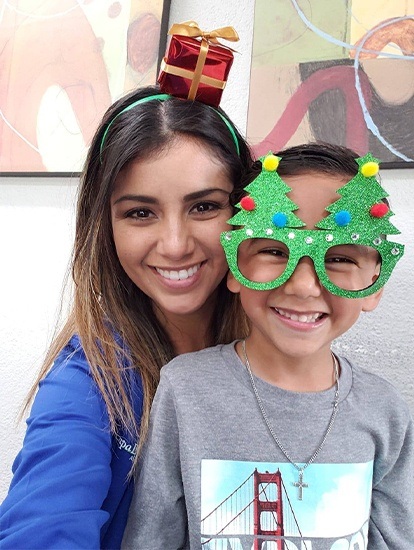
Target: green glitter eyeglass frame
312 243
358 217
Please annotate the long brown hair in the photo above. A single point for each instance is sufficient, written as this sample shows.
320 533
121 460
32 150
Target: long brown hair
113 318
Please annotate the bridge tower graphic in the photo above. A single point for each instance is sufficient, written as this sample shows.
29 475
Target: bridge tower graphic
264 506
256 511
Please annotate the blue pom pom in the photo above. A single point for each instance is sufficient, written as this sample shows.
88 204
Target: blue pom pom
279 219
343 218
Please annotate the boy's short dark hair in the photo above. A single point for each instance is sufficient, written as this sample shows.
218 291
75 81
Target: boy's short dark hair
322 157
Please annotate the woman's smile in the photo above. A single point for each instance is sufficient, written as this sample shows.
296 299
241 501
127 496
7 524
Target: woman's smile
178 274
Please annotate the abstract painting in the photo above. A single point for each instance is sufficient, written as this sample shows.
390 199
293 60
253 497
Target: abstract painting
62 63
339 71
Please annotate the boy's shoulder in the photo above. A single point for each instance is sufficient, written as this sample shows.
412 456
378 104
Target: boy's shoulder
200 363
379 394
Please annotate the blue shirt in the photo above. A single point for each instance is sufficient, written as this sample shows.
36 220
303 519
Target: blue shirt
70 487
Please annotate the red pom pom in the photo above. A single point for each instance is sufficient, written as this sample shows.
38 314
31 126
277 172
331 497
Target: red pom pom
247 203
379 210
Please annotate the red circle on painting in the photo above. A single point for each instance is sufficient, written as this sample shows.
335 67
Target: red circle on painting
143 40
114 10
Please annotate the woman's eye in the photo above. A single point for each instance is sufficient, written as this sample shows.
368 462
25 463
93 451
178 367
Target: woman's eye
205 207
139 213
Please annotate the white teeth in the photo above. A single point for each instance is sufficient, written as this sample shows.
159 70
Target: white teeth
303 318
178 275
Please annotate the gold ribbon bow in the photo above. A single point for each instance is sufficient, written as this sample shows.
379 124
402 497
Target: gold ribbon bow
192 30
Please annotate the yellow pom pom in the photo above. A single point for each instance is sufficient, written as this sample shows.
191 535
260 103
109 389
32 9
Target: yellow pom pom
270 163
369 169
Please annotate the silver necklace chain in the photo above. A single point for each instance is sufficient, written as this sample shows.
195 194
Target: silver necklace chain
300 483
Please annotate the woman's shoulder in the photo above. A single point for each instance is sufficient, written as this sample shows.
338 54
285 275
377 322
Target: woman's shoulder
72 355
70 380
72 361
68 385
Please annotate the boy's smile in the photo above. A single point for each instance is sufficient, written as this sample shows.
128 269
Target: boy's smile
295 323
299 316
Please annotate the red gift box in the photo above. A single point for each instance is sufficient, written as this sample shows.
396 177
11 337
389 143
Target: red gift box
197 65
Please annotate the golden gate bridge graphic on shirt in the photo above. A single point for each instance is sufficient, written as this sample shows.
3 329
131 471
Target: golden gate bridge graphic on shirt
259 514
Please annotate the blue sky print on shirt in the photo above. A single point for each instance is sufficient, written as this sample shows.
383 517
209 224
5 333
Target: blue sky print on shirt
332 515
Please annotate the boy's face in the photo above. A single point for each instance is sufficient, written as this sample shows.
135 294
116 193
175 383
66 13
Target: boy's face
301 317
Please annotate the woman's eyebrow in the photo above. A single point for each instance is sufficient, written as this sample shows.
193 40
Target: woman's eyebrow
204 193
189 197
137 198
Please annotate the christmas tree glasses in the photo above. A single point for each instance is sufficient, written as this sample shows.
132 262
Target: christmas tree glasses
350 253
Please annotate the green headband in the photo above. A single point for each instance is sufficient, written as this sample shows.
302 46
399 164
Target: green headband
352 233
163 97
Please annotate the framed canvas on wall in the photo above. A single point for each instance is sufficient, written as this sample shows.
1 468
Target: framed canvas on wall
339 71
62 63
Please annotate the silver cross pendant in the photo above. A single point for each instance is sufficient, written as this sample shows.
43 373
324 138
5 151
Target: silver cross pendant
300 485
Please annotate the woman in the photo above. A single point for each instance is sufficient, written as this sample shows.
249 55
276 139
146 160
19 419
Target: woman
148 273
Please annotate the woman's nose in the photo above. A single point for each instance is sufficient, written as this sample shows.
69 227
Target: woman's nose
304 281
175 240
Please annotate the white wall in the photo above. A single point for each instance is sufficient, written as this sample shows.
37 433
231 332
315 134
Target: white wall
36 232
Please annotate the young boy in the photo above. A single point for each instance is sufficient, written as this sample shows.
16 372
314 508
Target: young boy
274 442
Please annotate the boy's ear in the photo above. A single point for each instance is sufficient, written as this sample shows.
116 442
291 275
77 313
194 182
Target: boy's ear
232 284
371 302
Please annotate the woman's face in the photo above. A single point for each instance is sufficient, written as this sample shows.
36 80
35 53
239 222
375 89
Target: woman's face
167 215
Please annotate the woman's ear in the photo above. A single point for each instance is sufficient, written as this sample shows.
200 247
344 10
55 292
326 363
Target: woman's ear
232 284
371 302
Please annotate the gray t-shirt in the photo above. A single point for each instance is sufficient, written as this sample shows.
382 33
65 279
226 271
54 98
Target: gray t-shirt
212 477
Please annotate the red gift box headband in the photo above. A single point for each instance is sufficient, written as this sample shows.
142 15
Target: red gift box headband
164 97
